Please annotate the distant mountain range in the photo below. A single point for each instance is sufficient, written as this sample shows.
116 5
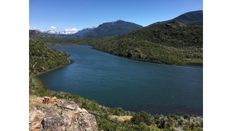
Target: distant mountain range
120 27
49 33
83 32
109 29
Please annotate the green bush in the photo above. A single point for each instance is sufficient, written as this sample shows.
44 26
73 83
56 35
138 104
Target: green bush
142 117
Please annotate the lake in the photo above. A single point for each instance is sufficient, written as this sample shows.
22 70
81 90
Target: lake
133 85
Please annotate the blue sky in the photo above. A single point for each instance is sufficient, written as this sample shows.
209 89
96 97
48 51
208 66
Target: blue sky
79 14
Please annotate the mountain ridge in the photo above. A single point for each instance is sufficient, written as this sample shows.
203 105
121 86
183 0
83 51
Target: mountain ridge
109 29
106 29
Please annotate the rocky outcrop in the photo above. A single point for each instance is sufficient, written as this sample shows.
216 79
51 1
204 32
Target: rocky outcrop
136 53
53 114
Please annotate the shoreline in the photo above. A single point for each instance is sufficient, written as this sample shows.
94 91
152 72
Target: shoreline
58 67
151 62
147 61
136 59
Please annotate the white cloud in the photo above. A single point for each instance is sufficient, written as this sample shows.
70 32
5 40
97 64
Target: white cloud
53 27
54 30
70 31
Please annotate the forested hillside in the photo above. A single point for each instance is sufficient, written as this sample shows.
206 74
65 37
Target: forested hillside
170 42
43 59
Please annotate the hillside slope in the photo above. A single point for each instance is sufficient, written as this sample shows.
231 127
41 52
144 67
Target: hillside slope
191 18
170 42
43 59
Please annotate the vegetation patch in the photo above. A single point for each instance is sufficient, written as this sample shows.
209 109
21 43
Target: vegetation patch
168 43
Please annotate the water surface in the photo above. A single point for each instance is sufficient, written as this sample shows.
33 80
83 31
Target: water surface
133 85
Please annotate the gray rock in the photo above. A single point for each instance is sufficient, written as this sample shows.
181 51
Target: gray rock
62 115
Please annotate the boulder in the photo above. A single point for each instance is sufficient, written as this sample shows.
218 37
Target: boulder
135 53
59 115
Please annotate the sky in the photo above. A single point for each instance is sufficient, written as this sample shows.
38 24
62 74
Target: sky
73 15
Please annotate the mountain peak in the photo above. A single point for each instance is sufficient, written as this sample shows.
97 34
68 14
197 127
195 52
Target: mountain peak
109 29
120 20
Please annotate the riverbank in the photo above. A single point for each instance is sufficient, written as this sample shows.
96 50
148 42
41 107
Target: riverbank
149 61
152 52
55 68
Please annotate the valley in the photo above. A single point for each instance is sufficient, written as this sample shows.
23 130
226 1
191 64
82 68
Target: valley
155 84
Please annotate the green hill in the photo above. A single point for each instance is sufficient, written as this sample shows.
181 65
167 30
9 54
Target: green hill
170 42
43 59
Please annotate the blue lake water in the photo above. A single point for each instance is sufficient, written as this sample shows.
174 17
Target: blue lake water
133 85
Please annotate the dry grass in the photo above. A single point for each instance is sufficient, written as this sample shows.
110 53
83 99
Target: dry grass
120 118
